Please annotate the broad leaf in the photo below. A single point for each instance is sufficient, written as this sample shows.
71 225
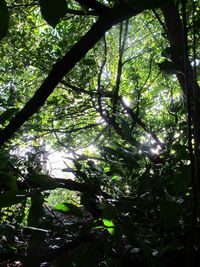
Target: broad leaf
69 208
110 226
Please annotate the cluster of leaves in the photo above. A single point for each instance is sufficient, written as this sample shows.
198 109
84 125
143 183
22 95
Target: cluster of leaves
122 99
140 211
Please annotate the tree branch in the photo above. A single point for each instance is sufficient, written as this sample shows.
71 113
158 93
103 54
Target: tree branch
95 5
64 65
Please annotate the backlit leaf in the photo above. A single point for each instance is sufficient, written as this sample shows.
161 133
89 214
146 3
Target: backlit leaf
69 208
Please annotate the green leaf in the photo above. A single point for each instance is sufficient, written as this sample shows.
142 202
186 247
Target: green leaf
170 214
53 10
4 18
104 223
10 198
109 225
69 208
43 181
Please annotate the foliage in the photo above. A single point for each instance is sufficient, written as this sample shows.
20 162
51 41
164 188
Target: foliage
113 84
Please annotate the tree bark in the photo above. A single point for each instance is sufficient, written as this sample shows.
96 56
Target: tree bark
177 36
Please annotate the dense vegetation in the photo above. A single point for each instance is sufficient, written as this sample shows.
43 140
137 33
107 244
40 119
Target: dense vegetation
115 86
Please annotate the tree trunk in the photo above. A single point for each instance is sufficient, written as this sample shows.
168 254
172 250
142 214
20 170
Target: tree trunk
177 36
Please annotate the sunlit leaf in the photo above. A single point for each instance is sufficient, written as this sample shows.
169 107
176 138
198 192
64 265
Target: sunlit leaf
69 208
109 225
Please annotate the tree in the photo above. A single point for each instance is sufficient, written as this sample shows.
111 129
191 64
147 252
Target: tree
145 160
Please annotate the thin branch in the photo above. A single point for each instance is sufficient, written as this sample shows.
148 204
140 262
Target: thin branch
65 64
141 123
95 5
149 73
78 89
73 130
100 75
160 20
120 64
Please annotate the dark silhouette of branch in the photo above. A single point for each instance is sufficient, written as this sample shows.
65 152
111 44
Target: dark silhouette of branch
65 64
99 77
122 41
141 123
95 5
